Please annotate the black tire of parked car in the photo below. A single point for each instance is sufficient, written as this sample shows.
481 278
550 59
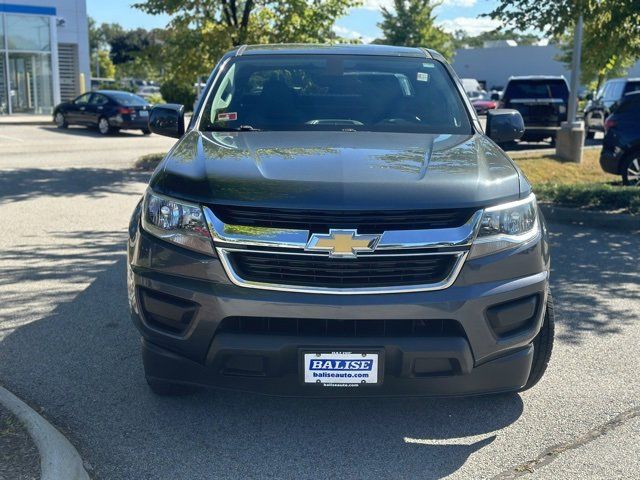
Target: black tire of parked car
631 165
542 346
60 120
146 131
103 126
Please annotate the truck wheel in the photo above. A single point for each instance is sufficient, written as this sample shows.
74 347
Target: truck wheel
631 171
165 389
542 346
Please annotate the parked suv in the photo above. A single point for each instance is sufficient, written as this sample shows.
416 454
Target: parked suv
621 145
542 102
598 109
334 221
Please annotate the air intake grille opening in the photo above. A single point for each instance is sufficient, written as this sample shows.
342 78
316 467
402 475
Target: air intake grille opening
364 272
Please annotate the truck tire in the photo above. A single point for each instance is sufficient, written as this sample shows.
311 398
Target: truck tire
542 346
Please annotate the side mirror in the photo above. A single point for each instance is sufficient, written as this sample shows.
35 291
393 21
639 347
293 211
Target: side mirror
495 96
504 125
589 96
167 120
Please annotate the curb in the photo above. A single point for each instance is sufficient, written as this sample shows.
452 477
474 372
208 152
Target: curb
588 218
34 124
58 458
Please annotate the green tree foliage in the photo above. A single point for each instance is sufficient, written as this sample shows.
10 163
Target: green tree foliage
174 92
102 65
412 23
611 40
463 39
599 61
134 53
126 45
200 31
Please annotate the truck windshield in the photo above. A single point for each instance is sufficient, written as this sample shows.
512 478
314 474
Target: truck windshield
545 88
336 93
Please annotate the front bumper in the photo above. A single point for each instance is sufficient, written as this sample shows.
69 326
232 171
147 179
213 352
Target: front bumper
128 122
281 376
481 361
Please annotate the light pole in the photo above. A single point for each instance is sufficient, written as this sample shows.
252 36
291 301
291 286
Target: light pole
575 72
570 137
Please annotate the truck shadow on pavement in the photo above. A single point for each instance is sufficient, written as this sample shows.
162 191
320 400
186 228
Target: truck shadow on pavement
22 184
81 364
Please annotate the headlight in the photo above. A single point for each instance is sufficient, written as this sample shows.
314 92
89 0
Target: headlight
176 221
506 226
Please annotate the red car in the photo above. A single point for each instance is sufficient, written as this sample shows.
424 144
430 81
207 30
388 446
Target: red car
483 105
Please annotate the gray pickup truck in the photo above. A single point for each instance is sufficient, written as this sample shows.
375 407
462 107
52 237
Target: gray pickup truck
334 221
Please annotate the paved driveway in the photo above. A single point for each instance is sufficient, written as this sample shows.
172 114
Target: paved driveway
67 347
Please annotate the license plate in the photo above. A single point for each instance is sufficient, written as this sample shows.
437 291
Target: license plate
143 113
341 368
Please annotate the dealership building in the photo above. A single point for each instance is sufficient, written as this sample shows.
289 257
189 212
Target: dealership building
44 54
493 65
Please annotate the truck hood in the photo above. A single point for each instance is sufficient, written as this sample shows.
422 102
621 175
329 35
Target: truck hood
338 170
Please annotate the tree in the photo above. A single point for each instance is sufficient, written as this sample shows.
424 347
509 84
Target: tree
463 39
200 31
127 44
611 39
103 66
412 23
599 61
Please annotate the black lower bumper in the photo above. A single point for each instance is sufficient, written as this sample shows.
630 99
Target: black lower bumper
271 365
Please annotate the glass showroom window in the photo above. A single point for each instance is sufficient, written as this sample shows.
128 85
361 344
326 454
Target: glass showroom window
28 39
4 96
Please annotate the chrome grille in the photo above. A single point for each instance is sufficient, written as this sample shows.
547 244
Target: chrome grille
397 261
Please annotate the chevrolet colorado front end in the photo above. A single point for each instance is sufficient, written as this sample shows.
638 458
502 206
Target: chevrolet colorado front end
334 221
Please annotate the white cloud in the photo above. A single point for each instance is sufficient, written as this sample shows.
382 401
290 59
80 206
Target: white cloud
351 34
471 25
377 4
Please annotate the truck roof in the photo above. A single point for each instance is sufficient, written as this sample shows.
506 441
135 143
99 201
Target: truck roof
338 49
538 77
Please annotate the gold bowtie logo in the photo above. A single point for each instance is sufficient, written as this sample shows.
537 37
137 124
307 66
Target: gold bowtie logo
343 243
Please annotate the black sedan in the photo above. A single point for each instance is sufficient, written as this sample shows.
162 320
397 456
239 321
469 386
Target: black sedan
108 110
621 145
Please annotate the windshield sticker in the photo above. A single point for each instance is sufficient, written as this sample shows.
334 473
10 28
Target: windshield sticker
428 65
423 77
227 117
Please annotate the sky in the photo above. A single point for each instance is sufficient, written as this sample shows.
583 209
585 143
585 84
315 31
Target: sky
359 23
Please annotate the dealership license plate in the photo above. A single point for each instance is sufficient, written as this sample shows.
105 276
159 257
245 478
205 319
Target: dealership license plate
341 368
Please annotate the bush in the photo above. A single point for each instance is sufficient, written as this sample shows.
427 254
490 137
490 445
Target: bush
594 196
174 92
155 99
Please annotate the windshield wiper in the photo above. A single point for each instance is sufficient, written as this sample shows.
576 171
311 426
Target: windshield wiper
241 128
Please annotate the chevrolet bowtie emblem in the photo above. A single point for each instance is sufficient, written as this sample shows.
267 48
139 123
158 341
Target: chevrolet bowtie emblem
343 243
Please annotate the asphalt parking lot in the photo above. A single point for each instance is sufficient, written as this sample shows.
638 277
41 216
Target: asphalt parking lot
67 347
